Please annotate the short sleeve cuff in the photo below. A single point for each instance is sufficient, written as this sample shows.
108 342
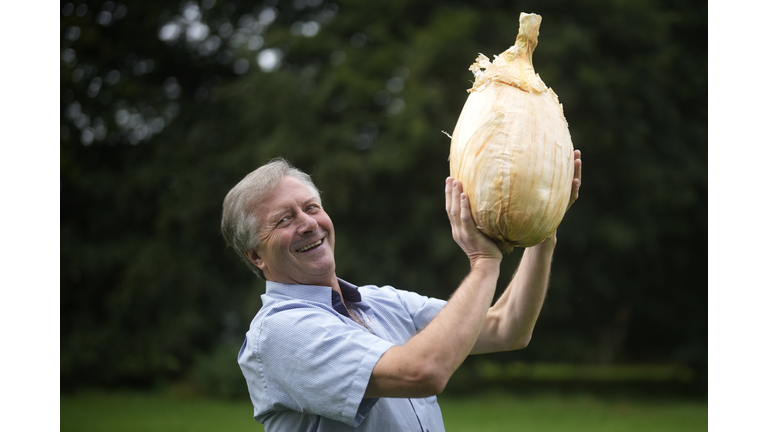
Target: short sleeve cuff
362 376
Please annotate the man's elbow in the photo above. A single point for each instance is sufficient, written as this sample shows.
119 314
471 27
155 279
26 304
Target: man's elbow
439 383
519 342
431 379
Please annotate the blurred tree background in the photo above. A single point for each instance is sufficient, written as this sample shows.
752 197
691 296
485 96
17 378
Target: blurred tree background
166 105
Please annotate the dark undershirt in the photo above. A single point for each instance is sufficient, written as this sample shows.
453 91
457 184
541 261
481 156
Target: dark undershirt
350 294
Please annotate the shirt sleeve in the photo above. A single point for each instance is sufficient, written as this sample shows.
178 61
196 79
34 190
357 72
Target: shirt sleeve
315 363
422 309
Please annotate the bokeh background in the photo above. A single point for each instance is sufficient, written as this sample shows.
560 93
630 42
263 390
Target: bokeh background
166 105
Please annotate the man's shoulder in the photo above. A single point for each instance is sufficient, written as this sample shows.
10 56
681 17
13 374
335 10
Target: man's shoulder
389 293
376 290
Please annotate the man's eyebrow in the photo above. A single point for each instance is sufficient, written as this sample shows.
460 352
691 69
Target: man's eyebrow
277 214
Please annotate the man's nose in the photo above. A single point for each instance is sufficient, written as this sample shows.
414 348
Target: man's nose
307 224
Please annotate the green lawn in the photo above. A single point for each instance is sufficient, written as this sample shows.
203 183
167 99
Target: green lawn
572 413
153 412
150 412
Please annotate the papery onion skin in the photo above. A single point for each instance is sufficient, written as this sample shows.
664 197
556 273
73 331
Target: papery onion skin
511 148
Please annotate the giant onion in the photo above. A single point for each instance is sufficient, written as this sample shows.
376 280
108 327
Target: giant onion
511 148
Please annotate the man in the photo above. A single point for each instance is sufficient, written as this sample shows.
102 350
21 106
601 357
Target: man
325 355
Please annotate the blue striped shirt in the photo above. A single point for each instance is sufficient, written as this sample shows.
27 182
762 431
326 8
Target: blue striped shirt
307 363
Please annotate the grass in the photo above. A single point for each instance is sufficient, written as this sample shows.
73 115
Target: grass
488 412
573 413
153 412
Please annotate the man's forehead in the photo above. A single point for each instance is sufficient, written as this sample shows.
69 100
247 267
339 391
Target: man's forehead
284 203
288 192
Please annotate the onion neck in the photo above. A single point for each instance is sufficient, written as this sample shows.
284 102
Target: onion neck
528 36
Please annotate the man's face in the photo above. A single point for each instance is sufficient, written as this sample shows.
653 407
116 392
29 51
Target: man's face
296 237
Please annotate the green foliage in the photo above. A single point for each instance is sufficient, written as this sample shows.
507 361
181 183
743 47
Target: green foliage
147 284
218 375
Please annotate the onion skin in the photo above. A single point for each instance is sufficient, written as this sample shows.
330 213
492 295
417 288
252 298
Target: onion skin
511 148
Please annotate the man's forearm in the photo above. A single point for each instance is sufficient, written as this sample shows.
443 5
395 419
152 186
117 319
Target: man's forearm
510 322
455 329
423 366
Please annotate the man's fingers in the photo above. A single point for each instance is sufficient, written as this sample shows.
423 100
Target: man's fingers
466 213
457 206
577 165
456 199
576 182
575 189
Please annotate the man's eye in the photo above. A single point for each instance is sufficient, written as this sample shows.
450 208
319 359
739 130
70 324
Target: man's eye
312 207
282 221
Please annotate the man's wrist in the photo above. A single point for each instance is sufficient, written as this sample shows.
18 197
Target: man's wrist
485 264
550 241
547 247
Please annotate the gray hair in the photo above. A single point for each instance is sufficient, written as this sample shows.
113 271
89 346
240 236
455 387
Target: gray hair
239 221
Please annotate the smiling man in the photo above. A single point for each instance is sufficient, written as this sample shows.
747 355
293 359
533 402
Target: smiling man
323 354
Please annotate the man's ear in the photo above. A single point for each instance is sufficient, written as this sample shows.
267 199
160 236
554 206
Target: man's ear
254 258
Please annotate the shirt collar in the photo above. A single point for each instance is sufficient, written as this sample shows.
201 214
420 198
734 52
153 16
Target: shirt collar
314 293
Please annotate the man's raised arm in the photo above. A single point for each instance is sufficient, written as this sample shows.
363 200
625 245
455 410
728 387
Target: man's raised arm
466 325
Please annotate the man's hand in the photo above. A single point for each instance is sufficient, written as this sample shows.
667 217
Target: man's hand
575 186
475 244
576 183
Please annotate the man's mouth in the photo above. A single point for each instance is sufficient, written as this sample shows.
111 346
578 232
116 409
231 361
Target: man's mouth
310 246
